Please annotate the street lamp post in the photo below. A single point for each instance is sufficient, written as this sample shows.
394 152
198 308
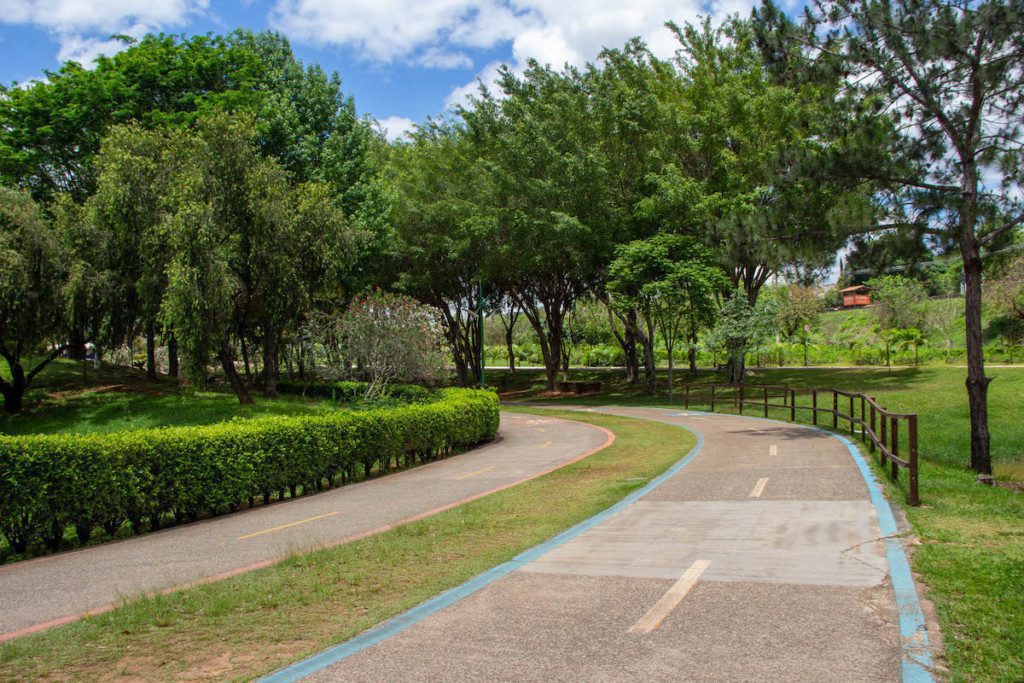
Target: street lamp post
807 331
480 321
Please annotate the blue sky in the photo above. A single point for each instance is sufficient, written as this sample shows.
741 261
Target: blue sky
403 60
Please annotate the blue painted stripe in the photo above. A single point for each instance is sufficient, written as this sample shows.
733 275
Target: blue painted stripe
917 656
916 659
403 621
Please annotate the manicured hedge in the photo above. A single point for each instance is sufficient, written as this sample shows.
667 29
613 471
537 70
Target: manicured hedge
51 482
349 390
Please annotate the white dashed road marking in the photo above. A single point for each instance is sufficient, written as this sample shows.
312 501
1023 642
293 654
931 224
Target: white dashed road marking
759 487
650 622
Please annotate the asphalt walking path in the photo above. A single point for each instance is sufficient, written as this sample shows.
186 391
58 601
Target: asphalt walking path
48 591
761 558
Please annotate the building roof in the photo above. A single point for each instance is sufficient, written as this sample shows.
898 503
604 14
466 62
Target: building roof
856 288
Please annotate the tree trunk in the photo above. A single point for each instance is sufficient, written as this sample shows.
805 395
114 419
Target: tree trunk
76 345
269 364
626 340
173 366
628 344
691 354
735 367
977 382
671 364
650 371
150 350
509 337
245 359
228 363
14 391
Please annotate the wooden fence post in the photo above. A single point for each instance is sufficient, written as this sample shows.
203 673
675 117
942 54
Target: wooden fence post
741 399
792 405
814 406
712 398
852 416
862 422
686 401
895 438
884 439
912 458
766 400
871 441
835 410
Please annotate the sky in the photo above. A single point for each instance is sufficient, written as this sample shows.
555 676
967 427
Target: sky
402 60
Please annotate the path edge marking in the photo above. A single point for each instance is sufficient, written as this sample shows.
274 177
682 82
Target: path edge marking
262 564
409 618
916 659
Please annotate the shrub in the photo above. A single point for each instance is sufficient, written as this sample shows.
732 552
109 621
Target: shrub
348 390
52 482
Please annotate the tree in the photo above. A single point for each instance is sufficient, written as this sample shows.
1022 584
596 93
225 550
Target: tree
396 338
910 338
800 306
672 282
741 325
740 165
1006 298
897 301
32 301
445 233
633 97
944 316
136 169
946 81
547 177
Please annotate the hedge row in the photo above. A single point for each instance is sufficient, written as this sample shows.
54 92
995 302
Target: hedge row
51 482
349 390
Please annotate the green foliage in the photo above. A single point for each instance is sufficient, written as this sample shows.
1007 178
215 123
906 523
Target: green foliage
742 326
897 301
349 390
671 281
798 307
33 289
51 482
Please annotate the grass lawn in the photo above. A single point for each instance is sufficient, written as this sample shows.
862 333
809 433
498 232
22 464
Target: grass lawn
971 555
64 401
257 622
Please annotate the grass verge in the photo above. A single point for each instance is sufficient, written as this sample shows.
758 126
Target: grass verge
110 399
971 552
257 622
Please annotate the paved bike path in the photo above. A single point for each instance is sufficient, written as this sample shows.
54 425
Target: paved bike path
47 591
762 559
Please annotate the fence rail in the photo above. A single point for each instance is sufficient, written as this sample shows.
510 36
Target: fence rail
878 427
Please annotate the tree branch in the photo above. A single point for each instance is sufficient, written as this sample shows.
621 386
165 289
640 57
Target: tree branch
1002 229
37 369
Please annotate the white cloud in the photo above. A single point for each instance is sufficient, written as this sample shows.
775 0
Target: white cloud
83 27
439 58
460 95
439 33
395 127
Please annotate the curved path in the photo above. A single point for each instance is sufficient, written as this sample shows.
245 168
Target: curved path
48 591
764 555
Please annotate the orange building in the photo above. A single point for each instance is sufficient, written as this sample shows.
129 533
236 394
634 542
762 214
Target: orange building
858 295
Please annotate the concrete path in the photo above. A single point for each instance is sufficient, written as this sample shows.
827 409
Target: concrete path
51 590
760 559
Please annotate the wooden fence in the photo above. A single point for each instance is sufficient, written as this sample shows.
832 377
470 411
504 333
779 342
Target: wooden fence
878 427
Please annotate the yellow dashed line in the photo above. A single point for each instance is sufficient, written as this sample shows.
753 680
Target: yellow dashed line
473 474
287 526
650 622
759 488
